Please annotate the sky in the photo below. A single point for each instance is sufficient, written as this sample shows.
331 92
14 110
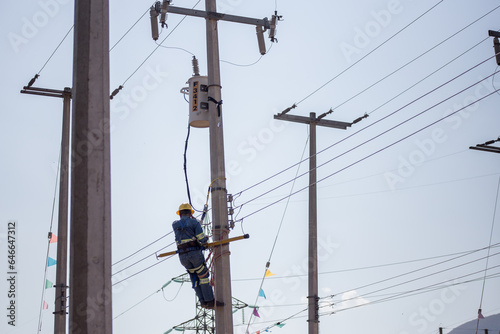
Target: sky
406 211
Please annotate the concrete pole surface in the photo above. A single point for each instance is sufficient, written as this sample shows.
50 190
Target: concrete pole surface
313 323
223 314
62 228
90 248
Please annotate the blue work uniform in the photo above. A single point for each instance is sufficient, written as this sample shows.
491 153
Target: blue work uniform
188 236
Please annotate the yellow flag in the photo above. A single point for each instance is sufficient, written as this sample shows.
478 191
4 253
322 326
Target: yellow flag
268 273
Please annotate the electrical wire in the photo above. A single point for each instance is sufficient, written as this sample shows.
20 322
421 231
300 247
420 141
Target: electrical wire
369 53
393 296
139 261
414 271
53 52
428 288
382 133
248 65
376 266
129 29
418 57
129 256
185 166
487 259
158 45
383 118
143 270
374 153
175 48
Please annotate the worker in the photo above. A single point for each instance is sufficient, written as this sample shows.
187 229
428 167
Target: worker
190 238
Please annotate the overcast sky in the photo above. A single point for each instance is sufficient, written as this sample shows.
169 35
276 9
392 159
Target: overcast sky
406 211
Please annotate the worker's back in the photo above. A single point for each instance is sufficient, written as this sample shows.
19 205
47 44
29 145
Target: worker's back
186 229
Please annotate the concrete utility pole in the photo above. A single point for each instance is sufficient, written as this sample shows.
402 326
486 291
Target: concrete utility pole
223 315
222 272
62 230
312 120
90 247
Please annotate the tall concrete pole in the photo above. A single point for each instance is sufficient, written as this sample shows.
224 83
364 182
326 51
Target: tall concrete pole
90 248
313 318
62 229
223 314
313 121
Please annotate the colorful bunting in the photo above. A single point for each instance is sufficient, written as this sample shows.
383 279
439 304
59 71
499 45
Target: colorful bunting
53 238
48 284
262 294
268 273
51 262
45 305
255 313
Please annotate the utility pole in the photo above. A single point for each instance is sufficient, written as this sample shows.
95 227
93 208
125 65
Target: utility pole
313 121
62 229
90 247
222 271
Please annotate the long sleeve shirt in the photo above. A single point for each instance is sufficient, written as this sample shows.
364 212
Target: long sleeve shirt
188 229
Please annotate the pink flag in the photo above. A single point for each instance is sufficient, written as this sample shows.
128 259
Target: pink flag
45 305
479 314
255 313
53 238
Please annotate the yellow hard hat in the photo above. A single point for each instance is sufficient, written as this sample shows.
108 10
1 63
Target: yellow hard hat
185 206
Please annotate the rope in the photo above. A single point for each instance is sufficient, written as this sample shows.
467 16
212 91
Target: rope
487 259
48 244
277 234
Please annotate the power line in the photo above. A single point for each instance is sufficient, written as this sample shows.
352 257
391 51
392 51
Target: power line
158 45
143 270
137 251
366 127
393 296
382 133
374 153
369 53
378 265
418 57
129 29
414 271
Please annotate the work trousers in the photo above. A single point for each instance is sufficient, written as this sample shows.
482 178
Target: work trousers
194 262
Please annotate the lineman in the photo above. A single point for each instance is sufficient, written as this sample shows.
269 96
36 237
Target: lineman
189 237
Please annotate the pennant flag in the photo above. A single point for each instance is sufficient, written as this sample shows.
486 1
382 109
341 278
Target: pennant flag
48 284
53 238
268 273
267 329
480 314
262 294
258 332
280 324
51 262
255 313
45 305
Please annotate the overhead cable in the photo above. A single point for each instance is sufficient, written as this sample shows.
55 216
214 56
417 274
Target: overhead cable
372 124
382 133
369 53
418 57
374 153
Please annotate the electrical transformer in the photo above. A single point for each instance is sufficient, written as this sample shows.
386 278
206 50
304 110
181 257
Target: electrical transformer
197 91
